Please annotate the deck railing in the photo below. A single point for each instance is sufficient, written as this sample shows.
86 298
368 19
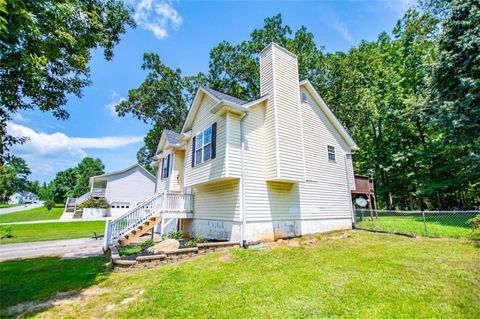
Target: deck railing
154 206
179 202
98 192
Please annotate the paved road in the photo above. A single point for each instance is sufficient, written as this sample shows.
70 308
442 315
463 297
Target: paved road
68 248
20 208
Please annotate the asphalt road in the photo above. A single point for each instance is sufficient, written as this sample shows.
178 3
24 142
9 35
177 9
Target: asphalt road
68 248
20 208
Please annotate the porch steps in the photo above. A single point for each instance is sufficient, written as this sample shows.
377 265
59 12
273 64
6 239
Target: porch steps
140 230
78 214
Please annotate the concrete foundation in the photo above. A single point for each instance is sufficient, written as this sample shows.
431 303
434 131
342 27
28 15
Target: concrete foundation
263 231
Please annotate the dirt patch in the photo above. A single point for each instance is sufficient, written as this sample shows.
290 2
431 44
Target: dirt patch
62 298
225 258
305 241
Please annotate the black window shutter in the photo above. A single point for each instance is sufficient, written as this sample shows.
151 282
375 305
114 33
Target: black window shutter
168 165
193 151
214 140
161 171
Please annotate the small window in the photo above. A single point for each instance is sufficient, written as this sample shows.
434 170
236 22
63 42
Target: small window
199 148
165 167
207 144
303 97
331 153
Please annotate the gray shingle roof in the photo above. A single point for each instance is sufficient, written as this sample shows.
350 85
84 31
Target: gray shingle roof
172 137
223 96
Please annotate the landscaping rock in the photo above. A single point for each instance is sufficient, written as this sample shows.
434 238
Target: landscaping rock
165 246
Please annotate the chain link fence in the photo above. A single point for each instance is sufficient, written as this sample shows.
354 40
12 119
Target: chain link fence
453 224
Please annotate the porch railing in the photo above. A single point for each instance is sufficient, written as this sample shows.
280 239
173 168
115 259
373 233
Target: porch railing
154 206
179 202
98 192
82 199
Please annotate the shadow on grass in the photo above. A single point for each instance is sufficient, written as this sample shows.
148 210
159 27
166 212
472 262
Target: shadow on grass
38 279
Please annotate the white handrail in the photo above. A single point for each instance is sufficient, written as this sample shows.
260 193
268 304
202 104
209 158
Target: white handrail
82 199
153 206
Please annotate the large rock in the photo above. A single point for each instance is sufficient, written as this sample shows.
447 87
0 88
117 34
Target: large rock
164 246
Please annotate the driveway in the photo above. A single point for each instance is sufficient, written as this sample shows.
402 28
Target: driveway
68 248
20 208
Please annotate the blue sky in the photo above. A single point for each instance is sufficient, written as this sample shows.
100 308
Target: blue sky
182 33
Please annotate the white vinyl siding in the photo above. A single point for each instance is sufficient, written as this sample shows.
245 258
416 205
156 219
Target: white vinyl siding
212 169
279 73
218 201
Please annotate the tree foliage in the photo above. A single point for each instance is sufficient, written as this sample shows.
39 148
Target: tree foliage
13 178
45 49
410 99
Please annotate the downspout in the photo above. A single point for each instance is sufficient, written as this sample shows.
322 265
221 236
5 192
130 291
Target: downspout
242 182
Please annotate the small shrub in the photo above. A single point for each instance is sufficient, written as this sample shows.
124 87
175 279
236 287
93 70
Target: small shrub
7 232
193 242
173 235
147 243
49 204
95 203
475 223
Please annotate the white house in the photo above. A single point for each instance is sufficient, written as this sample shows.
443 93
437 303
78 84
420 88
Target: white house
277 166
23 198
124 190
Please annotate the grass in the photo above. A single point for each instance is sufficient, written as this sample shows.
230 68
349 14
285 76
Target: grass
41 278
39 213
367 276
8 205
52 231
437 226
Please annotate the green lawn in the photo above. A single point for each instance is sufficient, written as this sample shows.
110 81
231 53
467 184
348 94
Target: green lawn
367 276
39 213
8 205
437 226
51 231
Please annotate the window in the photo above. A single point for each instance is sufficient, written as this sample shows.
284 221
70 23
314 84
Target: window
204 145
331 153
199 148
165 166
303 97
207 144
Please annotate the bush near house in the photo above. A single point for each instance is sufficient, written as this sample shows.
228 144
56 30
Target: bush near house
49 204
95 203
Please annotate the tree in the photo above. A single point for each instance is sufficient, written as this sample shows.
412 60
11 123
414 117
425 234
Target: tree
456 88
64 184
87 168
13 177
161 100
45 49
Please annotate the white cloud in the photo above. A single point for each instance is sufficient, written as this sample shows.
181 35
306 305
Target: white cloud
47 153
18 117
340 27
157 16
115 99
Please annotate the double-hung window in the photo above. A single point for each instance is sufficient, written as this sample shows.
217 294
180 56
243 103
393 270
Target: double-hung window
207 144
199 148
165 167
331 153
204 145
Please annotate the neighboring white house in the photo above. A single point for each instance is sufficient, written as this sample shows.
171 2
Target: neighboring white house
23 198
277 166
124 189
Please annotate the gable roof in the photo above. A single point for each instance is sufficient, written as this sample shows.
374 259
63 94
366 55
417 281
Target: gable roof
329 114
172 137
225 97
218 97
134 166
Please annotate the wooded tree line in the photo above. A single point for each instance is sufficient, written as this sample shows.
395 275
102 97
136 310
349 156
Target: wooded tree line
410 99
